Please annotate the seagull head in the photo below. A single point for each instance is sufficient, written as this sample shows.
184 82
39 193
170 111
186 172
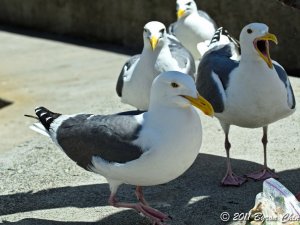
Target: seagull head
254 39
155 35
176 89
185 8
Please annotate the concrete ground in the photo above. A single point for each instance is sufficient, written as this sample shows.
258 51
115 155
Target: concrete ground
40 185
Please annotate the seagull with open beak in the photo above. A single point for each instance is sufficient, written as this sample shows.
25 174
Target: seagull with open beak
253 92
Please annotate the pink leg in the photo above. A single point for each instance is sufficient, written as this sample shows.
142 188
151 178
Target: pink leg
263 174
140 195
154 215
266 172
230 179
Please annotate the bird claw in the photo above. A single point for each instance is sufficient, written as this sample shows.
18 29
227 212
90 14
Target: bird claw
263 174
156 216
233 180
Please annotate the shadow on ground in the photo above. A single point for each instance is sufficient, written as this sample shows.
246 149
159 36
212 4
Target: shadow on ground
112 220
194 198
4 103
70 40
113 47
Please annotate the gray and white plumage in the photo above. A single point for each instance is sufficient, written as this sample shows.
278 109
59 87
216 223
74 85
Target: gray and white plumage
192 26
221 38
252 92
109 137
183 57
127 66
84 136
213 75
220 59
161 53
137 148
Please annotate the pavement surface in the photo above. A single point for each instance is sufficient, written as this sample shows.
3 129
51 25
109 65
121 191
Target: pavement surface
40 185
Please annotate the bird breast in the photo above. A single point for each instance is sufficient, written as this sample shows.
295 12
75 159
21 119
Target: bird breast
255 98
171 150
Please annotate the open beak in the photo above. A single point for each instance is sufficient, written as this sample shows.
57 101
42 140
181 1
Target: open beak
180 13
201 103
261 45
153 42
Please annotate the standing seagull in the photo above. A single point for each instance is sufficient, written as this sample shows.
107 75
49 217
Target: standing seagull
252 93
192 26
162 52
141 149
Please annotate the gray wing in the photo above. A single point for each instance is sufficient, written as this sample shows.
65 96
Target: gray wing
284 78
171 28
206 16
183 57
125 68
213 75
109 137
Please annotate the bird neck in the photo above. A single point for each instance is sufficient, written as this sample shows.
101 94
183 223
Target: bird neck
158 57
254 68
251 58
162 116
150 55
165 50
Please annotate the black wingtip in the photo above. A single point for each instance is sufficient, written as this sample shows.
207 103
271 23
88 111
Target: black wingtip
217 35
120 83
45 116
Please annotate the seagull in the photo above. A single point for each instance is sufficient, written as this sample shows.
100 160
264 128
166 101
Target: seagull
161 52
253 92
136 148
192 26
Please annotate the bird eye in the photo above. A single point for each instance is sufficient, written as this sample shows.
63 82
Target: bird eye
145 30
162 31
174 85
249 31
189 3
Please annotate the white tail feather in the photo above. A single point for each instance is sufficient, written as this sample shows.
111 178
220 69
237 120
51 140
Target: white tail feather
38 127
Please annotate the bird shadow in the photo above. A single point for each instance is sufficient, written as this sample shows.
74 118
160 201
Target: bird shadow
196 197
132 218
4 103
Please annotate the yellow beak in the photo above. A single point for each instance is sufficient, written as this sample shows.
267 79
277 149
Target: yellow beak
180 13
153 42
201 103
269 37
266 55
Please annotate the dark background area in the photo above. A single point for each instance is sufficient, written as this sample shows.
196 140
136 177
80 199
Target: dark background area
121 22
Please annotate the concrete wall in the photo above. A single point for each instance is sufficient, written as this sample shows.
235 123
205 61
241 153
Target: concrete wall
121 21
